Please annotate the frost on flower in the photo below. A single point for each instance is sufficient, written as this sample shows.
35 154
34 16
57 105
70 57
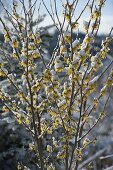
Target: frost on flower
93 80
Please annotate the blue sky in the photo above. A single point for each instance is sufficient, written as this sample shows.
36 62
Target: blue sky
107 14
108 9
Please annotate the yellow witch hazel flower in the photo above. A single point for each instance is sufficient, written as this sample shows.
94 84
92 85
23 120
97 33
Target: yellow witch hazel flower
55 143
55 84
67 17
14 42
96 14
63 49
57 122
102 114
32 146
37 39
96 62
104 51
49 88
56 94
14 54
6 36
21 118
3 72
88 38
76 45
100 1
31 46
44 127
67 37
46 75
51 167
85 118
66 57
62 104
95 101
30 54
59 67
94 58
5 109
70 69
50 130
37 86
36 54
86 142
53 111
30 35
111 74
28 121
109 81
49 148
61 155
82 55
50 97
79 153
67 91
90 89
76 60
54 77
74 25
